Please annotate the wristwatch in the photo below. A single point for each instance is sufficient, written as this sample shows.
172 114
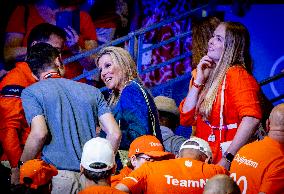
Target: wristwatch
228 156
20 163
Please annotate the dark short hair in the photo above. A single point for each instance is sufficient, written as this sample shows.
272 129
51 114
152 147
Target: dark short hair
43 31
96 176
41 57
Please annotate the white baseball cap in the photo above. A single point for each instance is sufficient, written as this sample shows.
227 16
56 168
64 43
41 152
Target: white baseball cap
202 146
98 150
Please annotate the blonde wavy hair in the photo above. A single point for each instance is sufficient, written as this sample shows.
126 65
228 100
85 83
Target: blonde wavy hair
122 59
236 53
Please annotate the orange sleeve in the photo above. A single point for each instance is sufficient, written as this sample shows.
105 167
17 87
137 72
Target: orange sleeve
244 92
87 28
13 131
136 180
16 22
273 181
117 178
186 118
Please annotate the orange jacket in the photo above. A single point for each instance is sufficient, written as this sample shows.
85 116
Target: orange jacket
241 98
14 129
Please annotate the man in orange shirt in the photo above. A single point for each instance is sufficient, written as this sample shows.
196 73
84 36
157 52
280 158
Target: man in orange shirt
259 167
97 165
14 129
146 148
186 174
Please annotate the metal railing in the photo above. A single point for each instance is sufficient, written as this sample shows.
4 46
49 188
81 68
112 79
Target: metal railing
136 38
136 41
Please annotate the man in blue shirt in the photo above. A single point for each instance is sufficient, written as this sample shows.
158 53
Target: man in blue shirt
63 115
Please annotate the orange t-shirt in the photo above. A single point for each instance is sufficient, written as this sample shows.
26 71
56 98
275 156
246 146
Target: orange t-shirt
259 167
180 175
101 190
241 98
14 128
117 178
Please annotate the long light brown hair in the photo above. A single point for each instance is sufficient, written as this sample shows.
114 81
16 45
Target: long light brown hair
202 31
122 59
236 53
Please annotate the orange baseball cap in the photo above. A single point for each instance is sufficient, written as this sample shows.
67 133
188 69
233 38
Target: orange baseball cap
149 145
38 171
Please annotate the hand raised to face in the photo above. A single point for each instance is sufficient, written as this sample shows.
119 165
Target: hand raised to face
72 37
205 66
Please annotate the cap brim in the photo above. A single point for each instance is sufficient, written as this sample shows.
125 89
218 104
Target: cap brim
53 170
158 154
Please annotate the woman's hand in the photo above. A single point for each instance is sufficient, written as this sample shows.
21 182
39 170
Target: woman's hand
204 67
72 37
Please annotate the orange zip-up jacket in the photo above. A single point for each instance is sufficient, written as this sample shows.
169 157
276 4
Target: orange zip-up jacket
14 128
241 98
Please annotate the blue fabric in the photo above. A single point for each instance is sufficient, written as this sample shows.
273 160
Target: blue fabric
131 112
71 110
183 131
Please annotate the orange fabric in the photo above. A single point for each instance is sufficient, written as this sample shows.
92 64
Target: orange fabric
172 176
100 190
259 167
40 172
117 178
87 32
14 128
149 145
241 99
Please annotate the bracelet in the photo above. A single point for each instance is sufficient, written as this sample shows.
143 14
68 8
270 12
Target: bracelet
198 86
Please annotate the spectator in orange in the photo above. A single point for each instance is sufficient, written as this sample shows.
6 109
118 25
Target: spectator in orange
80 30
223 101
14 128
35 177
221 184
186 174
146 148
202 31
259 167
97 165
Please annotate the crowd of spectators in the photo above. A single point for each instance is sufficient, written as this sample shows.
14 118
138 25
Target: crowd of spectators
62 136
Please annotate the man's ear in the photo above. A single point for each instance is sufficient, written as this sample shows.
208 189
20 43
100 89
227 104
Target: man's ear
81 169
58 62
267 123
208 160
133 161
113 169
60 65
